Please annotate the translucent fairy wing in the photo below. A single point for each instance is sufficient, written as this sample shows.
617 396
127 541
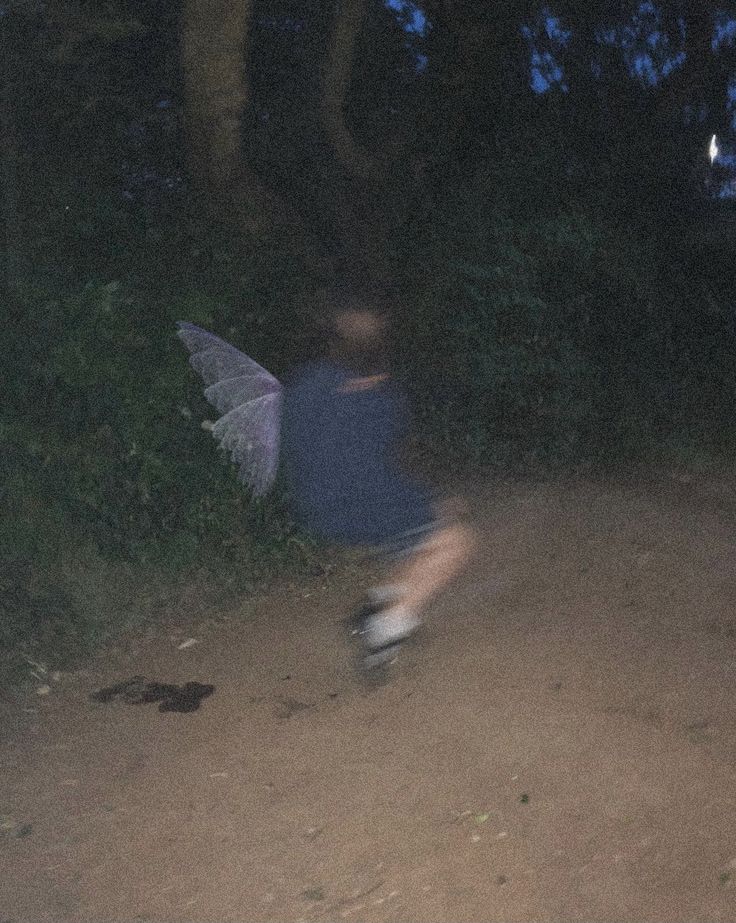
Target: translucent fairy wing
217 361
249 399
251 434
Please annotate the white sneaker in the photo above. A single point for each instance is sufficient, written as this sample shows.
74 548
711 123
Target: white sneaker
389 627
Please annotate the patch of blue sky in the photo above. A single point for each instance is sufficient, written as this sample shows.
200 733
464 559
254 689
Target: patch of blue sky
607 36
554 30
538 83
643 67
724 29
649 51
731 101
671 64
549 24
545 36
546 73
411 16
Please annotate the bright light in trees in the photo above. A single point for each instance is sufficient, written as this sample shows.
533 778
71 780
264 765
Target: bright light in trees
713 151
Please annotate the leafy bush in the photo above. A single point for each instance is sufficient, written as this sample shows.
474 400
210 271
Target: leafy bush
105 456
103 424
496 362
561 336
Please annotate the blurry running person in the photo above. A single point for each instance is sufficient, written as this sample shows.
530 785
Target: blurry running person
344 423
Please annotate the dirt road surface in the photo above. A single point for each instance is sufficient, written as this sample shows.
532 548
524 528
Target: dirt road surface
559 744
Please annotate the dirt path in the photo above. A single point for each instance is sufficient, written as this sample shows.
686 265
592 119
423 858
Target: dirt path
559 745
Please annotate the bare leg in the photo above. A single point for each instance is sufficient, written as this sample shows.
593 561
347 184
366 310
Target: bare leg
433 566
417 581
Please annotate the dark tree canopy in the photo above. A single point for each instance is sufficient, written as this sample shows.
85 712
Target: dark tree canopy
340 120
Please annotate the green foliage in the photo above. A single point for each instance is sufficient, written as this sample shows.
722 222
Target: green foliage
106 428
506 375
562 336
105 454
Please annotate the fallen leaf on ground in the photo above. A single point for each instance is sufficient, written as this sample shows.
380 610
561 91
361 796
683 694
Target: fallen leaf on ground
314 894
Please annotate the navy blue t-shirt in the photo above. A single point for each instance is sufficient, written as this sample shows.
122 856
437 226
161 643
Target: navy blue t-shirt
339 452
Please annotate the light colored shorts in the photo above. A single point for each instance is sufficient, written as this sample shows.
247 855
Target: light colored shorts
407 543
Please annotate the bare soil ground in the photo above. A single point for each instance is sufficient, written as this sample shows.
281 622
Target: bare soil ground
558 745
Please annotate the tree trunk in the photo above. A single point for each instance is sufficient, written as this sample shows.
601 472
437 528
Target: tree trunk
214 40
348 21
214 49
8 155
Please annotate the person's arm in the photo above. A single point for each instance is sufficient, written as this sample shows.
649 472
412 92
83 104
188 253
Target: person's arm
363 384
